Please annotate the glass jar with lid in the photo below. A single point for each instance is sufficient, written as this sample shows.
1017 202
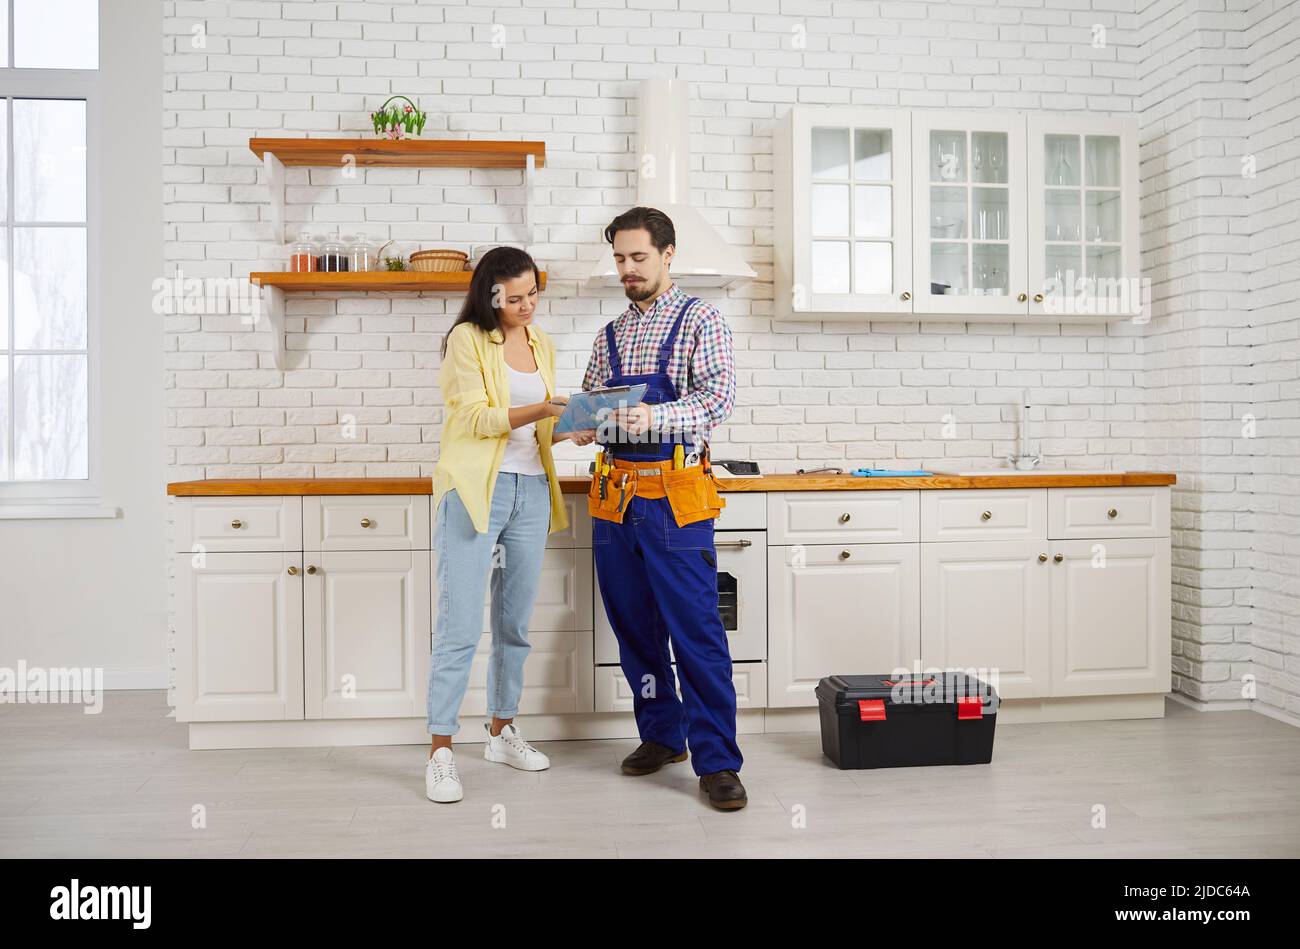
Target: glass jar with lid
333 256
302 255
364 257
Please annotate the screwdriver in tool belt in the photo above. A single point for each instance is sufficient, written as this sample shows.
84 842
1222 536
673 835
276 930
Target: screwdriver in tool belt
622 492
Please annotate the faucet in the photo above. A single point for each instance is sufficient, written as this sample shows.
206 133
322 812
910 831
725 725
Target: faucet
1024 461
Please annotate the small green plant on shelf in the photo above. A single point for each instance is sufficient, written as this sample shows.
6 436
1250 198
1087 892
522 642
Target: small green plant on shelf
397 121
394 263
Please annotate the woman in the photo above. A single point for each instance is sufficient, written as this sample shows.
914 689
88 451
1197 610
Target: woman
497 497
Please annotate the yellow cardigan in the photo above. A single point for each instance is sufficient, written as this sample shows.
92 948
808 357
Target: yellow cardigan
476 420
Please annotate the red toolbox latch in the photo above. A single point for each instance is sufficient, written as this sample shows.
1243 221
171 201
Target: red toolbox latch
970 706
871 710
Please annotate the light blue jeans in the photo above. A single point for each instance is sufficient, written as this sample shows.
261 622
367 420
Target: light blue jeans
511 552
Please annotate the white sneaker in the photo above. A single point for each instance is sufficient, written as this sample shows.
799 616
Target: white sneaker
510 748
441 780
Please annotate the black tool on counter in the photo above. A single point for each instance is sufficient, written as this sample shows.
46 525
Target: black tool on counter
749 468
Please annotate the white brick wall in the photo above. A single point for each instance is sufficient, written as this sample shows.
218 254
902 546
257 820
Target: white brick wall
1166 395
1221 247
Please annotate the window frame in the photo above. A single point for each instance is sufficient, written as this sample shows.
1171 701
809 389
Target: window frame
83 85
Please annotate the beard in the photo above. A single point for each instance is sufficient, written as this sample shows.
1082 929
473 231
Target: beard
638 291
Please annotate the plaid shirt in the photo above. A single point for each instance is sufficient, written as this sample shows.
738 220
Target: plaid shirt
701 367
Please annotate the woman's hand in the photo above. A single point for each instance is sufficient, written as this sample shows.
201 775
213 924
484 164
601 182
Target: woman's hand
583 438
555 407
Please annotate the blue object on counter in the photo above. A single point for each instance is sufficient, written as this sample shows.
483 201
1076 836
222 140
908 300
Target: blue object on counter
887 473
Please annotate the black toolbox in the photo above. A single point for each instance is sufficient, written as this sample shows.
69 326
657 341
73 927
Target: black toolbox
881 721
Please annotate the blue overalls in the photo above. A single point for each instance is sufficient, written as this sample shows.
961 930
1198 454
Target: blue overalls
659 583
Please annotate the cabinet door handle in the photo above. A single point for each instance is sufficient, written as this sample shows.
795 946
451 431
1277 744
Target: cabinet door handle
366 522
311 568
1022 298
844 518
1042 558
986 516
1038 298
1112 513
1058 558
734 543
293 571
236 523
904 296
845 554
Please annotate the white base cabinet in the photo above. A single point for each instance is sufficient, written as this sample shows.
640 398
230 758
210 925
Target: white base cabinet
366 639
837 609
984 606
1110 616
321 610
239 637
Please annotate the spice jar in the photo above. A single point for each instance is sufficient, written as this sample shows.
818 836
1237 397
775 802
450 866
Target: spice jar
302 255
333 257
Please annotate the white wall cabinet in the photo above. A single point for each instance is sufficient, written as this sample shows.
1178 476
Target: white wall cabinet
851 225
1010 216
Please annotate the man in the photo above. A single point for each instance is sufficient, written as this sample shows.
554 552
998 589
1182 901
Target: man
654 501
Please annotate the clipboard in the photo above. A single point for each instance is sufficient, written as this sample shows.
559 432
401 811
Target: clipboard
586 410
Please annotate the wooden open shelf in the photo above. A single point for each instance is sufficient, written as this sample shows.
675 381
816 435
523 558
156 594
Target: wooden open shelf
403 153
376 281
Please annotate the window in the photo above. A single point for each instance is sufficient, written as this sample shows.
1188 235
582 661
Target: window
49 54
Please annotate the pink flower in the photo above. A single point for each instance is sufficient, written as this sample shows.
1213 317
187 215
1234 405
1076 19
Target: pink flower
408 109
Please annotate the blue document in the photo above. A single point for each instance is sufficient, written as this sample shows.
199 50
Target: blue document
887 473
586 410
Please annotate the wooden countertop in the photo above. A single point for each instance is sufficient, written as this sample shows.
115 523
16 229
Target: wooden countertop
773 482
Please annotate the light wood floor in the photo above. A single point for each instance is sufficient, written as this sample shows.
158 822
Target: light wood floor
123 783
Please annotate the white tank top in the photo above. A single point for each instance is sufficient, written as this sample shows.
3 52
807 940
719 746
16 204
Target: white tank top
522 453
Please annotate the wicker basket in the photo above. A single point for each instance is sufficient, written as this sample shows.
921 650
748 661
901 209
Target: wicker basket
439 261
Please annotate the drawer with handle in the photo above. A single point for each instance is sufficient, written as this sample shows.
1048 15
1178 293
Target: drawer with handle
366 522
976 514
238 524
1082 513
842 517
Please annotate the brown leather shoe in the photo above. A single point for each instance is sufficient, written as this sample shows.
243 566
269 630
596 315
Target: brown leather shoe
650 757
725 791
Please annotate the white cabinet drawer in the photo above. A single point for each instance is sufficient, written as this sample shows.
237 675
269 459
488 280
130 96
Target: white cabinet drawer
745 511
614 695
984 515
843 517
1085 513
578 533
238 524
366 522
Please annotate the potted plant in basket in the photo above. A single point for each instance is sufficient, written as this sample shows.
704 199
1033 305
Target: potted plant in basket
395 120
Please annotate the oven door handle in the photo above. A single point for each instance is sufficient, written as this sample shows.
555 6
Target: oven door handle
734 543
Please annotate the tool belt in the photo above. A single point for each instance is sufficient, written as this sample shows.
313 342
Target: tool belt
692 491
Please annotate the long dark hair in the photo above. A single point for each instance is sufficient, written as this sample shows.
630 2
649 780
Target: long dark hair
494 268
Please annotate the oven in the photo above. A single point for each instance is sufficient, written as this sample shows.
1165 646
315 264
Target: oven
740 538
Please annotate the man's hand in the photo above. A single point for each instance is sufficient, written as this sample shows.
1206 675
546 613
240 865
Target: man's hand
583 438
635 419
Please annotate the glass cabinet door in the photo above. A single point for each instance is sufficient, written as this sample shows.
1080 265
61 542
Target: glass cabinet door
969 213
852 235
1082 219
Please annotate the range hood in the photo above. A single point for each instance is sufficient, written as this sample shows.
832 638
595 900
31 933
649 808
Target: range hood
702 258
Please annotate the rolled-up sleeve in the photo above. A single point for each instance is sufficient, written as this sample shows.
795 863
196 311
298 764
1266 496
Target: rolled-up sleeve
467 400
